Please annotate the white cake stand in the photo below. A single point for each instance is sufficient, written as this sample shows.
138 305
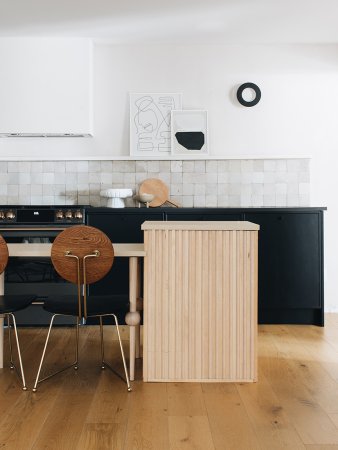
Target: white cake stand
116 197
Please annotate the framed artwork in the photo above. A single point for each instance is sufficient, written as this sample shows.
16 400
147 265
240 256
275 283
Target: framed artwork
189 132
150 123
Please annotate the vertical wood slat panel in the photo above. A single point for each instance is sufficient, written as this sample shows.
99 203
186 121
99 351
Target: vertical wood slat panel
211 302
205 315
179 308
200 305
226 304
159 238
164 302
233 302
192 305
185 304
172 305
219 295
150 306
198 302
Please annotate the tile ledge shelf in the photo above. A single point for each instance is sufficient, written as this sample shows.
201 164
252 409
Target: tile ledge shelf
147 158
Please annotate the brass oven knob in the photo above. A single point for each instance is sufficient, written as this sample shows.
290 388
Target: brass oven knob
68 214
59 214
2 215
10 215
78 214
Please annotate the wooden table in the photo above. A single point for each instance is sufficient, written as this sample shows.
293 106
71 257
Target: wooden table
132 251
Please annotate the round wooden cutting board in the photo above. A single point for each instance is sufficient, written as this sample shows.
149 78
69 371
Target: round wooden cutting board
156 187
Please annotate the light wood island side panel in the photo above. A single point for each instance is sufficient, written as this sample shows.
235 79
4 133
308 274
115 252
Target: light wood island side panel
200 301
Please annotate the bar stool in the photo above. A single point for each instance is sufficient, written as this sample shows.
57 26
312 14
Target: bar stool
82 255
9 304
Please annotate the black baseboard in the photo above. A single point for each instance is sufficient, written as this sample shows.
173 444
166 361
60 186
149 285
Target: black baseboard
291 316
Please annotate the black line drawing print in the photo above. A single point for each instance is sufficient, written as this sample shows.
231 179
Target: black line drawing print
150 122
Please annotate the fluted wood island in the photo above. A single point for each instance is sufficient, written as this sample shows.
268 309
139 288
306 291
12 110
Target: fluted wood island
200 301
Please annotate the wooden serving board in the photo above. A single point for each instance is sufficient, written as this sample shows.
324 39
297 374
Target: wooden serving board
156 187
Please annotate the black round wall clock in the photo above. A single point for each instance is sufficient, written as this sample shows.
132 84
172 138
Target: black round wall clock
252 86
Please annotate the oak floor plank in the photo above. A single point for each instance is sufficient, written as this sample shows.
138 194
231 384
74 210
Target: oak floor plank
111 400
190 433
185 399
64 422
334 418
147 426
322 447
23 420
318 343
230 425
310 420
10 382
270 422
323 388
101 436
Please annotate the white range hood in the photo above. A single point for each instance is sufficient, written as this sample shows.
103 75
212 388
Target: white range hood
45 88
44 135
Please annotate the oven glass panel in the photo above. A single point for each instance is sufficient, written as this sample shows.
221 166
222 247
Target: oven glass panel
35 216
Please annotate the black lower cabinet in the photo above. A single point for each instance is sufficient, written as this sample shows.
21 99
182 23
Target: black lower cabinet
290 288
290 268
203 216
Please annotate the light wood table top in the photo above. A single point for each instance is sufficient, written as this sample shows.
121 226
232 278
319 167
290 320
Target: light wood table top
42 250
226 225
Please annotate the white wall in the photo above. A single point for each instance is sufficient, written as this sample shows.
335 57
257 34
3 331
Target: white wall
297 115
296 82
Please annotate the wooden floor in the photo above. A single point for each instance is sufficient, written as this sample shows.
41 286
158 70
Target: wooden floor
294 405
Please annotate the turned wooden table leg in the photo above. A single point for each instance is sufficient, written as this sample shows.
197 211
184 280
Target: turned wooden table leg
133 316
138 299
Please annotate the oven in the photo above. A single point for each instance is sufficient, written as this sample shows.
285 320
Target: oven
37 224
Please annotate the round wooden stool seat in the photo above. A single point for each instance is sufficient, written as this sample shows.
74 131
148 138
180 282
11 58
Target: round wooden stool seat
81 241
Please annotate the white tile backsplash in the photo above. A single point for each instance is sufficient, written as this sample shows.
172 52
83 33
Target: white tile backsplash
193 183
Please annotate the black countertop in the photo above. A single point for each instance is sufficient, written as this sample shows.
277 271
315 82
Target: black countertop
210 209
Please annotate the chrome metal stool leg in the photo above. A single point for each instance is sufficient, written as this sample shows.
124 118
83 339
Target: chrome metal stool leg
122 353
103 366
76 364
11 362
43 353
24 387
126 379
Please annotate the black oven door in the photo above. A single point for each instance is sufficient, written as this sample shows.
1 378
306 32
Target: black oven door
35 276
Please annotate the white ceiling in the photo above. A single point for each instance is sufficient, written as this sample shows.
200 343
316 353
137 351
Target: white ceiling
175 21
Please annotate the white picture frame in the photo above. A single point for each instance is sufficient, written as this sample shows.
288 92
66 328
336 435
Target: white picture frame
189 133
150 123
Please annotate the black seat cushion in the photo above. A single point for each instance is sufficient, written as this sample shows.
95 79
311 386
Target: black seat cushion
96 304
12 303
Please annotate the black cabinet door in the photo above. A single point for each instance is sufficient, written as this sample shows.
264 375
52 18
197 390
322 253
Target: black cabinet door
120 227
290 259
123 227
203 216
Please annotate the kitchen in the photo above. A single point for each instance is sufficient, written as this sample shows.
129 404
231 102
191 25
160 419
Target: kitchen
68 97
